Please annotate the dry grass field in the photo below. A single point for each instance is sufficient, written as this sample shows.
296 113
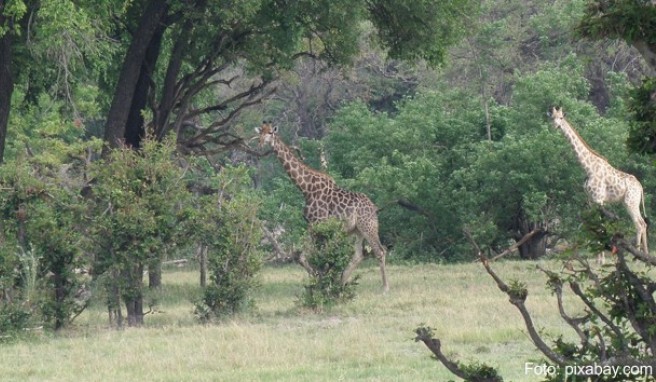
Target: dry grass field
368 339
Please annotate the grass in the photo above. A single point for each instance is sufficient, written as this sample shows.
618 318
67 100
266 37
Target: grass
369 339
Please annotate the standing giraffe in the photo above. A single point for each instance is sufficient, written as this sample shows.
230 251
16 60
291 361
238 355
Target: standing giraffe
606 184
324 199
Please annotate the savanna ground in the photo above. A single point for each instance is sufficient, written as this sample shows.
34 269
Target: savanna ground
368 339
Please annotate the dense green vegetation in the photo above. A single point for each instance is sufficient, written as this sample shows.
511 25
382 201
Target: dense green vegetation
126 126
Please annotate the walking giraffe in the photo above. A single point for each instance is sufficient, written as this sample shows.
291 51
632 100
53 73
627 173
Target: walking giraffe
606 184
324 199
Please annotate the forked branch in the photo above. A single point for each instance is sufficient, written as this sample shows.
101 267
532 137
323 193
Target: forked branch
574 322
518 295
482 374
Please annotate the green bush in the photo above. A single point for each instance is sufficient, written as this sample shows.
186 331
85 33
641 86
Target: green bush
328 254
228 226
42 211
136 217
13 318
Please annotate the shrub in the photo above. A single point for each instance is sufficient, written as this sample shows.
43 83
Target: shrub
41 211
13 318
136 217
329 253
228 226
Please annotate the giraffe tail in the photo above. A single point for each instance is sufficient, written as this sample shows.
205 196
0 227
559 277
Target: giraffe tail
644 211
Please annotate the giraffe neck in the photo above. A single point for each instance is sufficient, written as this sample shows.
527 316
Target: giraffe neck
588 158
308 180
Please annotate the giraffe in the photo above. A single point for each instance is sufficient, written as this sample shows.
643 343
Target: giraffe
324 199
606 184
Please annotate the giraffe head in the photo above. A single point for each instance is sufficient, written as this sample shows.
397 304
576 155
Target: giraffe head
557 115
266 133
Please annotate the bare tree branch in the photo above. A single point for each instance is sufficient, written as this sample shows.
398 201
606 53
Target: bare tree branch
638 304
517 297
518 244
622 243
425 335
574 323
576 288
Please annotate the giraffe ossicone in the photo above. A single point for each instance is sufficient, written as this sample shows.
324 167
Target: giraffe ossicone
324 199
605 183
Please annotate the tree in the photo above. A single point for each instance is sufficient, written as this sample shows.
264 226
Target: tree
42 238
635 23
43 216
519 36
226 225
11 12
51 48
137 216
632 21
329 251
197 65
308 95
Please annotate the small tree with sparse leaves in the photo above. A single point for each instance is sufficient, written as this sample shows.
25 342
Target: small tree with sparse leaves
226 223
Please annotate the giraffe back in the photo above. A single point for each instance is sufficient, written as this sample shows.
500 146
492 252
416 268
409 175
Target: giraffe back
339 203
610 185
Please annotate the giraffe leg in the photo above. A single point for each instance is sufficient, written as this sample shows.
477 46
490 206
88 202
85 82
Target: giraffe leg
379 252
355 260
633 207
641 234
601 258
643 237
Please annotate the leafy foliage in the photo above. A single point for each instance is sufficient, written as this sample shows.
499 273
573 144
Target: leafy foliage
421 30
138 210
43 213
433 159
642 136
328 253
228 226
633 22
626 19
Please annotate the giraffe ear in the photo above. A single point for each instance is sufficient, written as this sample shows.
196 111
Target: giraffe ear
257 129
275 130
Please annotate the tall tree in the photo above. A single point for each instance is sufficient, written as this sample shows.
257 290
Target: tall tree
196 65
10 13
129 95
50 48
635 23
6 85
629 20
